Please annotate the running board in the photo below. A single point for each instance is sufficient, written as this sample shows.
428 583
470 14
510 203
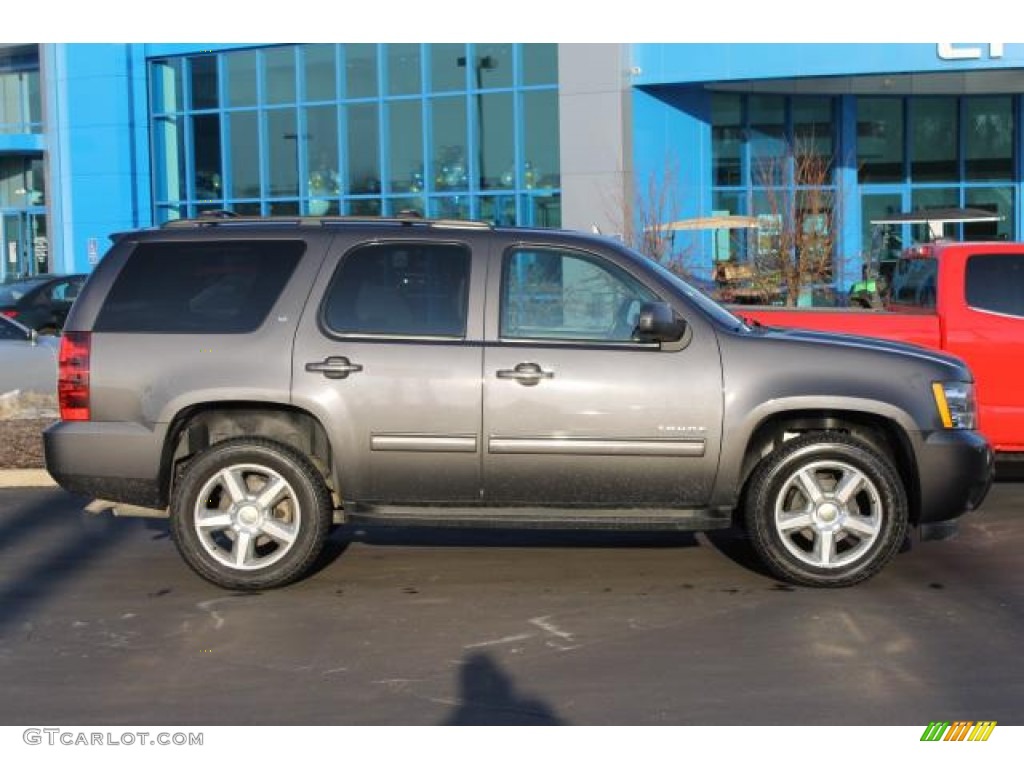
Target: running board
558 518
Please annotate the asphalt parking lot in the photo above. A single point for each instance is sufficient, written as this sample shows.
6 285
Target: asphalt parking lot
102 623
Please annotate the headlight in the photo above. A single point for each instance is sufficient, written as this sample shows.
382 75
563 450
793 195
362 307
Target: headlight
955 401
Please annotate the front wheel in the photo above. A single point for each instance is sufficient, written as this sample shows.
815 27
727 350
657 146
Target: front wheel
826 510
250 514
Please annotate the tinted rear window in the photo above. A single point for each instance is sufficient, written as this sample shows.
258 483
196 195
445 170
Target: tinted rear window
996 283
215 287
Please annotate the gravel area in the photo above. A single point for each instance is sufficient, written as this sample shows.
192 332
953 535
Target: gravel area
23 417
21 443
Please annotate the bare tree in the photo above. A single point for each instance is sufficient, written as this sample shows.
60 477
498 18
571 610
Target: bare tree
798 231
643 214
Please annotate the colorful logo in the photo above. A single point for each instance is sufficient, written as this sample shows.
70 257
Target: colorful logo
961 730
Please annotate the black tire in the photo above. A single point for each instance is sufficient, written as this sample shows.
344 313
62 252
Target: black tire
246 541
826 510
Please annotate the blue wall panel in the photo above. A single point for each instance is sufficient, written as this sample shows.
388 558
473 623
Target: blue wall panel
672 142
666 63
97 131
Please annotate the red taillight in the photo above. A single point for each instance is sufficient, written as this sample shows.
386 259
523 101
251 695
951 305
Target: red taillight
73 376
11 313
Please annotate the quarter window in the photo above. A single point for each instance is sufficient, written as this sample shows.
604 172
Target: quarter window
996 283
215 287
553 294
400 289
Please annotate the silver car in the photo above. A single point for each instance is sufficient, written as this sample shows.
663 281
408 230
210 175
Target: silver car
28 361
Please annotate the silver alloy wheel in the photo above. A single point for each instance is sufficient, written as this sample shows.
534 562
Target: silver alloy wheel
247 516
828 514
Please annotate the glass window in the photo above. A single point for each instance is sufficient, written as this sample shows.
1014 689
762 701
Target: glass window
499 210
496 130
403 68
997 200
492 66
245 154
554 294
400 289
165 86
222 287
540 122
880 139
989 137
768 139
996 283
279 75
35 103
406 144
320 74
450 166
284 144
447 67
363 150
207 155
540 64
545 210
450 207
204 82
931 199
726 139
241 68
360 71
933 139
812 125
169 156
322 144
881 241
914 283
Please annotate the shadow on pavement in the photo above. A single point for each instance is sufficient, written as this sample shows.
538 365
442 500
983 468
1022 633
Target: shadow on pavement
487 696
70 550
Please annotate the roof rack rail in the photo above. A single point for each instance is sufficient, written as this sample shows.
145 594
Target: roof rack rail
221 218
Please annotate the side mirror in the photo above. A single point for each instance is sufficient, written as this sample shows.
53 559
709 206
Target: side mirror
33 336
657 322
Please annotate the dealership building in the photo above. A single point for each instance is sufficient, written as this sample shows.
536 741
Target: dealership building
102 138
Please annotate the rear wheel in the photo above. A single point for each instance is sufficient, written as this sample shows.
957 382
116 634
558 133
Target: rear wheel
250 513
826 510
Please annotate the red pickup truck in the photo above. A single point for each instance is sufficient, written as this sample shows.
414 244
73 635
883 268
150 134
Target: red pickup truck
962 298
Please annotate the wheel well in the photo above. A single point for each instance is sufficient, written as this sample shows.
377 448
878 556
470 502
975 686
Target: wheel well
882 434
199 427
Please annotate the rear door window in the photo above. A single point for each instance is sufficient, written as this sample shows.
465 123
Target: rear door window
400 289
995 283
199 287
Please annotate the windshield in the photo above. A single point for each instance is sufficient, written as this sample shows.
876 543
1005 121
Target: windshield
704 302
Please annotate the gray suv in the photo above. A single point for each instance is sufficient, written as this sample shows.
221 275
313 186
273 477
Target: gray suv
259 380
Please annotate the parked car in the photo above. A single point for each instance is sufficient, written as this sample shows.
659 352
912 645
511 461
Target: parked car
966 299
28 361
258 379
41 303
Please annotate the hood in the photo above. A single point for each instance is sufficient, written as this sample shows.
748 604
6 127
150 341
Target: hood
883 346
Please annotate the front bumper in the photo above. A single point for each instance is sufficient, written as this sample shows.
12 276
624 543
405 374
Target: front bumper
956 468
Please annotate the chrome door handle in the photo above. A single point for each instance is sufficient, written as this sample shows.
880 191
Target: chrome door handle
334 367
527 374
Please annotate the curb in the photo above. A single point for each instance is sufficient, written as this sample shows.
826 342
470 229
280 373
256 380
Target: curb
26 478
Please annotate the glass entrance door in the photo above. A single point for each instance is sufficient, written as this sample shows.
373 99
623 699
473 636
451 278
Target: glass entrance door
26 246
